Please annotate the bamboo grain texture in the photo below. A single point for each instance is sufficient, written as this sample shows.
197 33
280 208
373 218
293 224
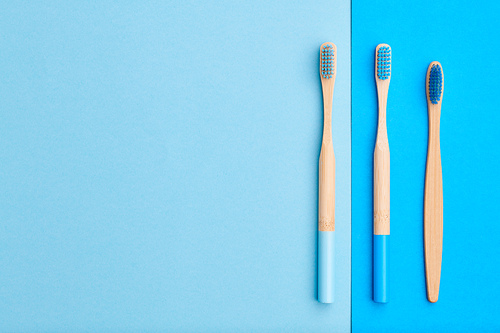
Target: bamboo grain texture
381 161
433 202
326 200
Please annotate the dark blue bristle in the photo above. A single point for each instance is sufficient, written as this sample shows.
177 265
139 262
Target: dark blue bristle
384 62
435 84
327 61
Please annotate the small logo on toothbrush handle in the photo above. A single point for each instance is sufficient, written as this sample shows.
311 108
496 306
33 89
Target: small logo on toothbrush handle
326 224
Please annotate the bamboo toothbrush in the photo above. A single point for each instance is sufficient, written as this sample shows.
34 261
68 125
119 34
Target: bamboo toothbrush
433 203
326 209
381 179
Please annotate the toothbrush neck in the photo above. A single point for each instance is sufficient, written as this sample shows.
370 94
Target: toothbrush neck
327 112
382 107
327 123
434 118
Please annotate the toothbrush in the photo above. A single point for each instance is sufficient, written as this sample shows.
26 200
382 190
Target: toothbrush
326 202
433 203
381 179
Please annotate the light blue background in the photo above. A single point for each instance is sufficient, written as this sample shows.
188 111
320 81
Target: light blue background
158 165
463 36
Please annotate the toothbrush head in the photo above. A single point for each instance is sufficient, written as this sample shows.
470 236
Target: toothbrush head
327 61
383 62
435 82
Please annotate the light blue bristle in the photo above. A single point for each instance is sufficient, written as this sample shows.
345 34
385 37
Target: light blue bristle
327 61
384 63
435 84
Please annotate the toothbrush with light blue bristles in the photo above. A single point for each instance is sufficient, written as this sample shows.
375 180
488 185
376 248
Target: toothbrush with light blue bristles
381 179
326 201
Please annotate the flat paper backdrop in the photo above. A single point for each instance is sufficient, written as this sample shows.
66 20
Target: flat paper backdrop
461 36
159 165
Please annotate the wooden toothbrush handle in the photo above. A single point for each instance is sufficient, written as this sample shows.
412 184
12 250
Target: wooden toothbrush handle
381 219
326 223
381 189
326 209
433 213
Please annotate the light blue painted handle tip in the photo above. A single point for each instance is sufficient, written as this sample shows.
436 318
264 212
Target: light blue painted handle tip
380 268
326 266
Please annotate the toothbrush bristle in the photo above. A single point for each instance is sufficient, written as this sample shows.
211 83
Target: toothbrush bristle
384 62
435 84
327 61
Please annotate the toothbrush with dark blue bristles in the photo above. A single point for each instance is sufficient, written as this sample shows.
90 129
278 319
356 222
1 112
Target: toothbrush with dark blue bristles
381 179
433 202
